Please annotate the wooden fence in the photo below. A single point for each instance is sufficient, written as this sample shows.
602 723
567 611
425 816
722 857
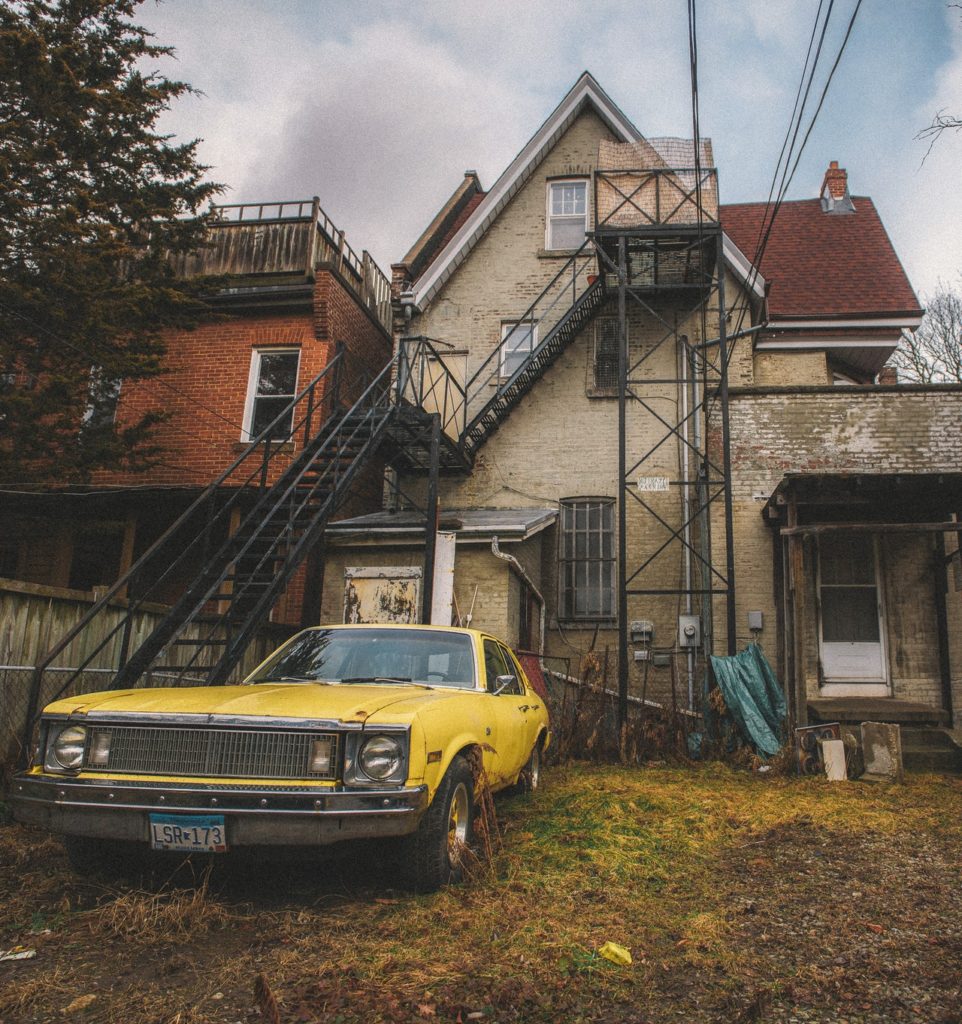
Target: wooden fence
33 618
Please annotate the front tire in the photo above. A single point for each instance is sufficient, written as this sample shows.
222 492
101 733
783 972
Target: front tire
433 855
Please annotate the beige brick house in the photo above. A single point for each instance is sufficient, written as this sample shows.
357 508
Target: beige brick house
842 484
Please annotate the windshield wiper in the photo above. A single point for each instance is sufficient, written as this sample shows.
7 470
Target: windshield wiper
290 679
376 679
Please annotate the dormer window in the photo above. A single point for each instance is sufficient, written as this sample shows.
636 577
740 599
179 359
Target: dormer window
567 219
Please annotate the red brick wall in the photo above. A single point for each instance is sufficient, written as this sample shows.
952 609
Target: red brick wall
205 388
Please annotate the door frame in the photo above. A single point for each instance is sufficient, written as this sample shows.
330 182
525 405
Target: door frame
875 687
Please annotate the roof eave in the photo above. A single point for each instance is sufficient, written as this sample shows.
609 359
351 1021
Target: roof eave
584 92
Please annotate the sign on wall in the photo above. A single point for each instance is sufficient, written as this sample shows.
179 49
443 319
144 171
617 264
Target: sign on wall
376 593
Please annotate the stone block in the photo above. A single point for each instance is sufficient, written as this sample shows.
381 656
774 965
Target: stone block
882 750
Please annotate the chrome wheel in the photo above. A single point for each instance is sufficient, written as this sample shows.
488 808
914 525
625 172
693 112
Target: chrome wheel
534 769
459 818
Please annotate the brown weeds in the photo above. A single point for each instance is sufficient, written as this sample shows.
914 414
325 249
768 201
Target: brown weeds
157 917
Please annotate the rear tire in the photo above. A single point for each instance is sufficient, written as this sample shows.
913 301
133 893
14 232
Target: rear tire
433 855
530 777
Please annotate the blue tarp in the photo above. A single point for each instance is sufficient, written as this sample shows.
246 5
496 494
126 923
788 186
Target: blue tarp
753 697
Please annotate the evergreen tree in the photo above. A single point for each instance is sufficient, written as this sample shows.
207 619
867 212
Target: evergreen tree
95 208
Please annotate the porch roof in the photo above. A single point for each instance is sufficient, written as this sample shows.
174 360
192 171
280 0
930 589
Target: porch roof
873 498
477 524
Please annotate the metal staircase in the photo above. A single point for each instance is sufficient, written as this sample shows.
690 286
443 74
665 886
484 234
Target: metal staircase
562 309
254 526
240 543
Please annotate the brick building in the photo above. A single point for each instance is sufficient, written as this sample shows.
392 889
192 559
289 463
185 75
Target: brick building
843 483
651 440
296 295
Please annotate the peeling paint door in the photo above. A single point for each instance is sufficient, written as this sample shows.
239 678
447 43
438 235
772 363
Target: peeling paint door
382 594
851 624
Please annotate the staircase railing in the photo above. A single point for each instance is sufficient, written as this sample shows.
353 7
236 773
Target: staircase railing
548 312
428 382
287 522
188 540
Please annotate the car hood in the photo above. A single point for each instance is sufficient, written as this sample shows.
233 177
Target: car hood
348 703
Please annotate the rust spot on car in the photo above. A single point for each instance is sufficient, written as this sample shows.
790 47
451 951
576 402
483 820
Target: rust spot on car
488 749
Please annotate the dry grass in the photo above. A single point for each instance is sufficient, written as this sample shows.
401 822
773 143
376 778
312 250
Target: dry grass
148 918
626 854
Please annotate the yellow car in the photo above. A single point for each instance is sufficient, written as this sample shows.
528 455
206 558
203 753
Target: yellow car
345 732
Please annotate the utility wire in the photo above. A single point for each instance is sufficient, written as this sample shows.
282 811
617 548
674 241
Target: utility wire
787 176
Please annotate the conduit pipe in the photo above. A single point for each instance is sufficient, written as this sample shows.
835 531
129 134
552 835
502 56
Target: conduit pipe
520 570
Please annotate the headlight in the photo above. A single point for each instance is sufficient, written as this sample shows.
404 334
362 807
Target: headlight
67 749
380 757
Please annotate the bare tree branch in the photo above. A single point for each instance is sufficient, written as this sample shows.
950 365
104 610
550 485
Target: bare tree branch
933 353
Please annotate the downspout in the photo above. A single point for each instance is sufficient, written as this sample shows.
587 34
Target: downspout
520 570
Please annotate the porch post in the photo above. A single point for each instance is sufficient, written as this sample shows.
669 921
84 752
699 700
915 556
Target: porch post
431 523
942 624
796 560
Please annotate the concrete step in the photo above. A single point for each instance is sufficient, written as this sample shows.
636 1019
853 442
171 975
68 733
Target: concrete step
930 750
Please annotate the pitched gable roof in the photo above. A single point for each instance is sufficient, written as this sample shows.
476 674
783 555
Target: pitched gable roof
823 265
586 93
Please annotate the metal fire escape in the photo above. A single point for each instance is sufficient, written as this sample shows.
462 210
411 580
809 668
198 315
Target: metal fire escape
659 241
240 543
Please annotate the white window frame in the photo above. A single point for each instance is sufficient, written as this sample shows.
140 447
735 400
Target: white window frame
507 327
103 398
592 571
551 217
254 375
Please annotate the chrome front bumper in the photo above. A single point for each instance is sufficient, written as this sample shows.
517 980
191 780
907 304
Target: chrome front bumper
253 815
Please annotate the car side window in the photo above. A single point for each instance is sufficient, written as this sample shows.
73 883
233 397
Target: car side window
494 665
517 687
514 667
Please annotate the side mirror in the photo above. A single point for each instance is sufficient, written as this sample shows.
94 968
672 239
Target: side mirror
502 683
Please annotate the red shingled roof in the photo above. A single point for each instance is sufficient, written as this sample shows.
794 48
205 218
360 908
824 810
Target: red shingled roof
824 264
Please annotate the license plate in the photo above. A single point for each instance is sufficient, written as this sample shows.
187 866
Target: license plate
188 833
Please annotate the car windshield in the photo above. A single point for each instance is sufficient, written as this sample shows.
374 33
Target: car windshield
422 656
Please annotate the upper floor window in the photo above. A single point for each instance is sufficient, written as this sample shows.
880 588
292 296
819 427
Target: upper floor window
606 354
519 338
567 214
587 558
272 387
103 394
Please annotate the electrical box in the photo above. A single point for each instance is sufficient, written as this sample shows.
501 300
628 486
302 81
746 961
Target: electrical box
756 621
642 631
689 631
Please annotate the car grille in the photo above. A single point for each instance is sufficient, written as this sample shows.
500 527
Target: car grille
234 753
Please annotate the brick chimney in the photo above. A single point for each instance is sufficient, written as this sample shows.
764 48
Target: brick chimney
834 192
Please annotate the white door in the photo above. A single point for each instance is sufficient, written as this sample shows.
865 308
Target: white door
850 617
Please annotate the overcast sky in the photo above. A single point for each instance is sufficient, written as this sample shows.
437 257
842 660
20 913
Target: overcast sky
379 106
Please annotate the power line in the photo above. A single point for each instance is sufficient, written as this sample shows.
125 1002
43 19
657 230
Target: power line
787 176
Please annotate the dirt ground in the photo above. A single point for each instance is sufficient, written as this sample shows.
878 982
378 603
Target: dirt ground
742 897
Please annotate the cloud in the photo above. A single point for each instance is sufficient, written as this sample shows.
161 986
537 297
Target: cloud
379 107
